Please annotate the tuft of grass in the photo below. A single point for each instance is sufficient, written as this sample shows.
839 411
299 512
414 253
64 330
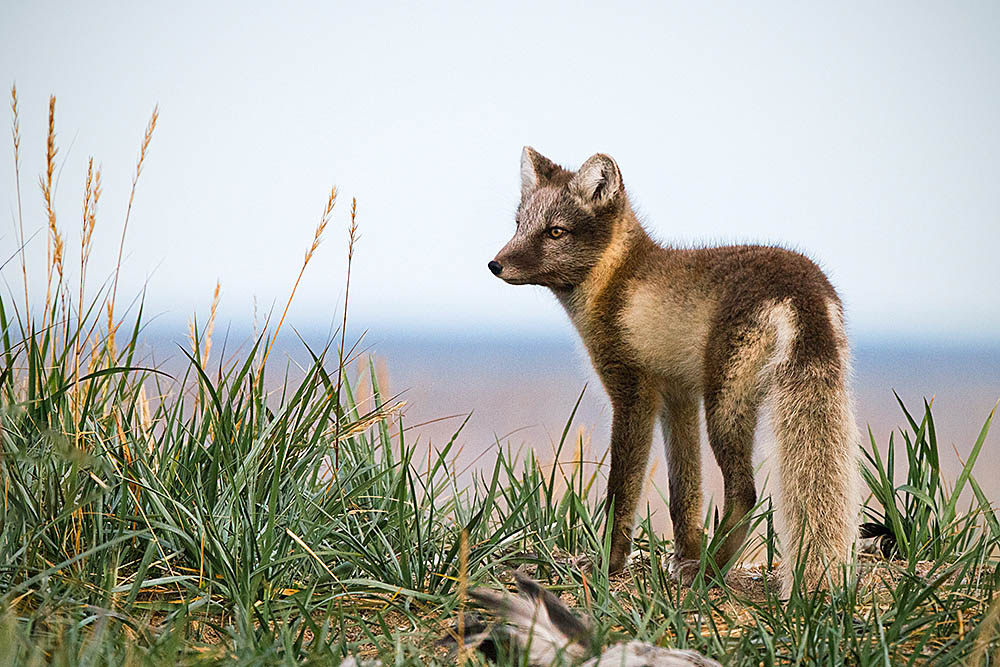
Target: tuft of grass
920 519
209 516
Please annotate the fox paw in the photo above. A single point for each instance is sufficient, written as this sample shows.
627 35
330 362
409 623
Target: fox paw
682 570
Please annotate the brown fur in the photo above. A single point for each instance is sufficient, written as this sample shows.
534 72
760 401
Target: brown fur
667 329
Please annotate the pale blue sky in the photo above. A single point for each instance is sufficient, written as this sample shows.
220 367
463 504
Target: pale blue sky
866 134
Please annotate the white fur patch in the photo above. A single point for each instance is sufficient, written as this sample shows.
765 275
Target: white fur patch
529 179
669 332
781 319
836 316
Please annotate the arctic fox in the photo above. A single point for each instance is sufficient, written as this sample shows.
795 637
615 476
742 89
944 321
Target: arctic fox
669 329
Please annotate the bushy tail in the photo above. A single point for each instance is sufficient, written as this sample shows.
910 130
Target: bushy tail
817 442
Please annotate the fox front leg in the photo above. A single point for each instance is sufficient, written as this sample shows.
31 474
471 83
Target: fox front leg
679 419
635 406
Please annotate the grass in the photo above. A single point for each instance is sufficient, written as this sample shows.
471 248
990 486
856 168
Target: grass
210 517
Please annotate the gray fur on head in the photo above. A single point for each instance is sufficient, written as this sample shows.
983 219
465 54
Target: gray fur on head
565 221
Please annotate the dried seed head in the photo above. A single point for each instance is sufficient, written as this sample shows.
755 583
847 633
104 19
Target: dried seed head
16 127
57 252
45 181
323 222
92 217
211 325
50 148
146 139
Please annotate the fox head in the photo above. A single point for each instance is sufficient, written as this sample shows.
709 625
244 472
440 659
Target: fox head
564 223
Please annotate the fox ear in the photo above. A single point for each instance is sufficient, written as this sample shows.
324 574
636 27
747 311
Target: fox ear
536 170
598 181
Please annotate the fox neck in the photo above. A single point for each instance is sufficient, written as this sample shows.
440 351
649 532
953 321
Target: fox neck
583 301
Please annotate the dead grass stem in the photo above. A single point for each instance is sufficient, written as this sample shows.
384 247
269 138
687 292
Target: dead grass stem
317 239
55 243
143 150
16 135
352 239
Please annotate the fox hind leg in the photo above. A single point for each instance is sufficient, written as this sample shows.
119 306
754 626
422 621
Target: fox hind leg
731 421
734 392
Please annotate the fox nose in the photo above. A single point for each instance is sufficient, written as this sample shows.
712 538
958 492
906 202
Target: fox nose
495 267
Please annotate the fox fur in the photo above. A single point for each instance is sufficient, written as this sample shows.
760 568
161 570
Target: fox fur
672 331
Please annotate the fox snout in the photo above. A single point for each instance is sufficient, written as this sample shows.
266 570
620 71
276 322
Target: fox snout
503 265
512 264
505 270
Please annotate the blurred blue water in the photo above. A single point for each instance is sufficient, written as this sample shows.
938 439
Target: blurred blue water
521 393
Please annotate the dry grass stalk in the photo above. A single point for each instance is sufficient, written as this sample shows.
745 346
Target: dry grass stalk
352 239
91 195
145 421
317 238
202 347
308 549
16 132
143 150
54 257
211 324
463 587
381 414
95 351
85 234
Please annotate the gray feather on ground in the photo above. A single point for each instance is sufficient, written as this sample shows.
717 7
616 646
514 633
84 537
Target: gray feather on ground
542 625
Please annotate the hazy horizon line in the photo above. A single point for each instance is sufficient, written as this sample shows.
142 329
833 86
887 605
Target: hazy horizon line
166 325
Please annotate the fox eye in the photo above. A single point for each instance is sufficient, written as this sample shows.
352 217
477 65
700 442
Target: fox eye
556 232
